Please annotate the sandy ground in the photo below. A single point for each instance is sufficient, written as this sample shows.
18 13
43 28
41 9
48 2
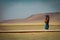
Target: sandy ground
28 27
29 23
30 36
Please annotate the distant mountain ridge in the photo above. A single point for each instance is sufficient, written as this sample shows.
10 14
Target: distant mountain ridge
36 18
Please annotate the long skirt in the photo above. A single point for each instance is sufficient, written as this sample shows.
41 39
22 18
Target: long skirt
47 26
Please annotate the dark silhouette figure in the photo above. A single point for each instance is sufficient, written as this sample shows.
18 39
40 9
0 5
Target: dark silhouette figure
47 22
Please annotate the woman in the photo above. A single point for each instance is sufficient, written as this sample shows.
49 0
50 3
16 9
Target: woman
47 22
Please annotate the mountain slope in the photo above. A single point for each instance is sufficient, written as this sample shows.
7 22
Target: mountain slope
37 18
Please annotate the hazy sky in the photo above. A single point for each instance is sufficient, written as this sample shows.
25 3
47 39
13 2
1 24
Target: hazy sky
25 8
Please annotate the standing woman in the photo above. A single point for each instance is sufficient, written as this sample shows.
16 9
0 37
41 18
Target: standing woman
47 22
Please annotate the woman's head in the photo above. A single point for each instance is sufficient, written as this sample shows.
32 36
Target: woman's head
47 15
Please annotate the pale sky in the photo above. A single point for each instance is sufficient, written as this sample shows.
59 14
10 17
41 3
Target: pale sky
25 8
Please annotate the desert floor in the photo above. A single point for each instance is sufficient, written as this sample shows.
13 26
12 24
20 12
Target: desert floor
29 36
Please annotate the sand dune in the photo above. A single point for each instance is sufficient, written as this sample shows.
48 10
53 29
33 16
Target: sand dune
36 18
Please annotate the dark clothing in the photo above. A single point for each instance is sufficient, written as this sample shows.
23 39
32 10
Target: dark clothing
47 22
46 26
